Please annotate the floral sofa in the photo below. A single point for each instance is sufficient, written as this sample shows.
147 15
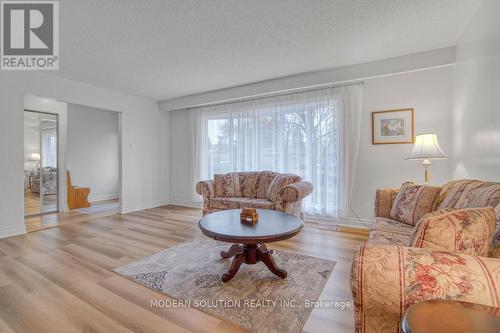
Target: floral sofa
265 189
391 272
49 181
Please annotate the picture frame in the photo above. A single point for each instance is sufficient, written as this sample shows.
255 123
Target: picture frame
393 127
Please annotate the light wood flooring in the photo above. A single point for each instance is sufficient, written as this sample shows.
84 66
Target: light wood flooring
60 279
97 210
32 204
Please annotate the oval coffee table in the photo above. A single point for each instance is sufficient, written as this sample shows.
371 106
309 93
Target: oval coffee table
250 240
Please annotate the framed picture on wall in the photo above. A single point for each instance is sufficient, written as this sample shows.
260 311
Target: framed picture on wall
392 127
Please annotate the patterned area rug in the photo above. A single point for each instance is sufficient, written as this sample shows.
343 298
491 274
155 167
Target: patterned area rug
254 299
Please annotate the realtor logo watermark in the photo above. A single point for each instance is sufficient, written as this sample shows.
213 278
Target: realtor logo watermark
30 35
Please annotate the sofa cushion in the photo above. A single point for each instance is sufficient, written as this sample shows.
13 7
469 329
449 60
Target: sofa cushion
495 245
479 195
240 202
249 182
227 185
386 230
451 193
413 202
263 183
465 231
278 183
384 198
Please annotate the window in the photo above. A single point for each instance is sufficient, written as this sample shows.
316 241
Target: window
296 133
49 148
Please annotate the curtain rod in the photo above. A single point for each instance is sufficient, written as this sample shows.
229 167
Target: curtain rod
271 95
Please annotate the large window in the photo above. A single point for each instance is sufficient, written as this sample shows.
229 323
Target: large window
296 133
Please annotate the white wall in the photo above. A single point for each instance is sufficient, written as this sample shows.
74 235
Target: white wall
476 110
379 166
93 150
402 64
144 138
382 166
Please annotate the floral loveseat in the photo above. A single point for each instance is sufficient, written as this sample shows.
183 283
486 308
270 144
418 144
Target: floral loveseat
388 275
265 189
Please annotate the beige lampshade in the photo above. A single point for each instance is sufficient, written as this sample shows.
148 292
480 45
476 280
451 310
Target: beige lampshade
35 157
426 147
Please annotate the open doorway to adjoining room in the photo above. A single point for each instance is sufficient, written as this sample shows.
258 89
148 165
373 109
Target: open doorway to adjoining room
72 162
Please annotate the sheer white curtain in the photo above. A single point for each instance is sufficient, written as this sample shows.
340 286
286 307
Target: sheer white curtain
349 110
49 148
314 134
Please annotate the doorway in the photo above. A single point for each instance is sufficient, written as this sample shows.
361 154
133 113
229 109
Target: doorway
88 146
41 170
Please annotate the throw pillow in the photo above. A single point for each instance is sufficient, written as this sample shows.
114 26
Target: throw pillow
479 194
466 231
248 184
263 181
227 185
451 193
413 202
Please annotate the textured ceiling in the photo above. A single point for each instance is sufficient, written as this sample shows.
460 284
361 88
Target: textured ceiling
164 49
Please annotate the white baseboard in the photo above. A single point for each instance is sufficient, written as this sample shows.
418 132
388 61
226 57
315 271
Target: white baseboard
344 221
340 221
143 205
12 231
102 197
186 203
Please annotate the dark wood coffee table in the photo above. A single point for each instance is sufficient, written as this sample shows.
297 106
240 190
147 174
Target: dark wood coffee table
450 316
250 240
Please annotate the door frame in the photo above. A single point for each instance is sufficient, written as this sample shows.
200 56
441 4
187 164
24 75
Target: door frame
57 162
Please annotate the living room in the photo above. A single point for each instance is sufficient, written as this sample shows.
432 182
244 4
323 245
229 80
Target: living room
285 166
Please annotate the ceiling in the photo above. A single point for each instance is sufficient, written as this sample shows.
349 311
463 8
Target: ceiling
162 49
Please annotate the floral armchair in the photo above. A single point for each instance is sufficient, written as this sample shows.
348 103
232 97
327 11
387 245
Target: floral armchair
388 275
265 189
49 181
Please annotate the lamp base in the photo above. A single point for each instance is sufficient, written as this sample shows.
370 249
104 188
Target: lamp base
427 173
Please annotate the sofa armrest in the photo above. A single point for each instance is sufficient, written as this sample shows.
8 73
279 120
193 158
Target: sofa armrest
386 279
295 192
289 198
205 188
384 198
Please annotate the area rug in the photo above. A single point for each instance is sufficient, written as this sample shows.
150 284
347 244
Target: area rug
255 299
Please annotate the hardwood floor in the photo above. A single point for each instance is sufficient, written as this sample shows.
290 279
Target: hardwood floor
60 279
97 210
32 203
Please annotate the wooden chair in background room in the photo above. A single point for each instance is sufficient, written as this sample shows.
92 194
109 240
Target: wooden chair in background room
77 196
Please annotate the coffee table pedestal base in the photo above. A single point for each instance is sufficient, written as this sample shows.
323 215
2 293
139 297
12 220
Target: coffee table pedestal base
250 254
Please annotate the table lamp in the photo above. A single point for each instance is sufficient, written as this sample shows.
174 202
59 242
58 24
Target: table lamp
35 157
426 148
